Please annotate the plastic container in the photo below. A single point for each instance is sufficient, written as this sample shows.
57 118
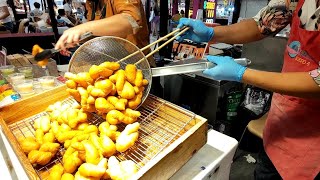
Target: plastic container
27 71
25 88
25 95
6 70
47 82
37 86
16 78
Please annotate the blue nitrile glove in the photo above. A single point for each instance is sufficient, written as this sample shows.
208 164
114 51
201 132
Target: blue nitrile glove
226 69
198 31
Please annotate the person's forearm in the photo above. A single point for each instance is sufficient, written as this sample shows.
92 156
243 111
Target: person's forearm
298 84
4 16
5 13
117 25
242 32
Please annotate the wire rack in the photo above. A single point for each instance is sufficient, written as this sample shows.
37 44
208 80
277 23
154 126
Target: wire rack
161 123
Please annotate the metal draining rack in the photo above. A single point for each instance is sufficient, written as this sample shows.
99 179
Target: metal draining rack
160 124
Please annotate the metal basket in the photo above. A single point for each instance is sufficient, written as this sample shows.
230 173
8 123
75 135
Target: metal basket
113 49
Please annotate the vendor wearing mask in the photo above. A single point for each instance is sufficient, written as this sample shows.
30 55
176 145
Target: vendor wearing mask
292 131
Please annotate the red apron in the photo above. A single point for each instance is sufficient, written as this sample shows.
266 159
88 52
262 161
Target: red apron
292 132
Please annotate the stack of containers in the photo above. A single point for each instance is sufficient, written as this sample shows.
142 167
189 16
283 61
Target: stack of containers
23 80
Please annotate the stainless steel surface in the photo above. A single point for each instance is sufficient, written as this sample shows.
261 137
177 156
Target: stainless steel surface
160 125
243 61
190 66
6 156
181 69
282 35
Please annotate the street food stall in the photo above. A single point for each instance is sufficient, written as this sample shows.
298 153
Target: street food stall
174 139
103 123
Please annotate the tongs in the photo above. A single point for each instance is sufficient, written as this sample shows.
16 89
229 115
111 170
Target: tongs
48 53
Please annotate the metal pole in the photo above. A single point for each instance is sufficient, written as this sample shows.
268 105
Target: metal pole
53 19
236 12
45 5
29 5
165 51
25 7
174 6
42 5
163 18
196 4
187 7
148 14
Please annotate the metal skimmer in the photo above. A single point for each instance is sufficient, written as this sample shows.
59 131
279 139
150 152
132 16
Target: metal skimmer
107 48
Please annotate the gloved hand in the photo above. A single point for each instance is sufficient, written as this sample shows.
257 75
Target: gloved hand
198 31
226 69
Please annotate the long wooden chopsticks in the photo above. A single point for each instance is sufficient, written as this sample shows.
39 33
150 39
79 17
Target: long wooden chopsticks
182 30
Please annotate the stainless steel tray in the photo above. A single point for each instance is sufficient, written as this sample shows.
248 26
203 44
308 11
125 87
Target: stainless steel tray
189 66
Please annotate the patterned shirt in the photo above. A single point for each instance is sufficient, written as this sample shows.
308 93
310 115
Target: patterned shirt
274 17
277 15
